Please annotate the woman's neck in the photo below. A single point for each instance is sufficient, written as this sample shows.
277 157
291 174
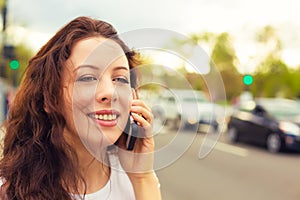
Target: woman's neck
95 172
96 175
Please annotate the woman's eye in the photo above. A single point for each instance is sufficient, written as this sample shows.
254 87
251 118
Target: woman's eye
121 80
87 78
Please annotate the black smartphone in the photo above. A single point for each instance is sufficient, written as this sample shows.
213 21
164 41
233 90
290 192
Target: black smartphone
132 133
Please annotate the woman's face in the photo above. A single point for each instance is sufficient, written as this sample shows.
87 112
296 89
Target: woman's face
97 93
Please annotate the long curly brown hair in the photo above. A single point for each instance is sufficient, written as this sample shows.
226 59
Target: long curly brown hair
37 162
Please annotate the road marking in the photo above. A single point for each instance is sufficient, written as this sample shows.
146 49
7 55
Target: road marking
209 145
231 149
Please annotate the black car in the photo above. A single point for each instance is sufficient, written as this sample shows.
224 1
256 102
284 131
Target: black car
272 122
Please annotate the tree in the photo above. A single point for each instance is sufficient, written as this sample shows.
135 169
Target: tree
224 58
273 77
269 38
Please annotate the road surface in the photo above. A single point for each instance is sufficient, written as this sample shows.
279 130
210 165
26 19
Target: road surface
229 172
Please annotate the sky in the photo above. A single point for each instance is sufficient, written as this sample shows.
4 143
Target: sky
36 21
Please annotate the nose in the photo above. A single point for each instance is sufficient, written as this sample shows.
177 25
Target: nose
105 92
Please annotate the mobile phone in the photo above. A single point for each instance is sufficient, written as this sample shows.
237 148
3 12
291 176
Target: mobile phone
131 134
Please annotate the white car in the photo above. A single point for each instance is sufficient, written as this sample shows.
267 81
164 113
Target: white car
188 108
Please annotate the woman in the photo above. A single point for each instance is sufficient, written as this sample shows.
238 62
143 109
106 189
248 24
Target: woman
66 130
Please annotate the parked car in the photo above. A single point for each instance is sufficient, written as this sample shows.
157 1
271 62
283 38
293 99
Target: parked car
273 122
189 108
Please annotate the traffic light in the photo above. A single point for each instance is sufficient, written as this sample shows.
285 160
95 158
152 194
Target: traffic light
14 64
248 79
9 52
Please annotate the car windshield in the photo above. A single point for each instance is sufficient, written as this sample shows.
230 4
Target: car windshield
282 108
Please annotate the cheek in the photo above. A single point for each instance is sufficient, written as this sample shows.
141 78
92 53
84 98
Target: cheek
83 98
124 98
83 102
76 102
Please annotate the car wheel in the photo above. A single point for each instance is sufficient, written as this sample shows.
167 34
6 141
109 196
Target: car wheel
232 135
274 144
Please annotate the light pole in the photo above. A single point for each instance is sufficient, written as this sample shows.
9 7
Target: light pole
4 20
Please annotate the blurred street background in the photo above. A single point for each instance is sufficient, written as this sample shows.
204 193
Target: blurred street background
252 51
230 172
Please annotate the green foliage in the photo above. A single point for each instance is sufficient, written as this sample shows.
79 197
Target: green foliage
224 57
233 83
273 78
268 36
223 53
196 81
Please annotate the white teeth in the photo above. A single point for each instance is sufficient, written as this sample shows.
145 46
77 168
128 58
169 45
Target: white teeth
107 117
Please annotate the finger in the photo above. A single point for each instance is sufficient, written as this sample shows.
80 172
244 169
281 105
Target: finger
141 121
138 102
146 114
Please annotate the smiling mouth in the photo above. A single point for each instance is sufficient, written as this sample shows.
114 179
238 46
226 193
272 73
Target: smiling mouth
104 117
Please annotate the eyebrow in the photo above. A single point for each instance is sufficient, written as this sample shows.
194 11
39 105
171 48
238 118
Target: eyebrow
97 68
86 66
120 68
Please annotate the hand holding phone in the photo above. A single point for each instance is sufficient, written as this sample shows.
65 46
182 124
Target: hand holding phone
133 128
132 134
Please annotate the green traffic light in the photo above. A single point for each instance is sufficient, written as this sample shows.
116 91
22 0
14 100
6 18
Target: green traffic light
14 64
248 79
